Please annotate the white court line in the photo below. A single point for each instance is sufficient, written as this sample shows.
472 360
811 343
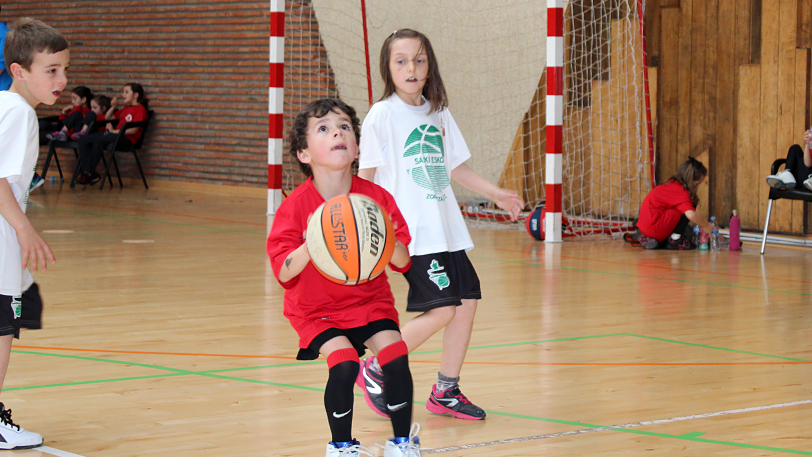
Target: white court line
56 452
615 427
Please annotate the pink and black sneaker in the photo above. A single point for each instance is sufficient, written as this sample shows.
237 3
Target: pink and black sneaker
453 402
680 244
372 384
648 242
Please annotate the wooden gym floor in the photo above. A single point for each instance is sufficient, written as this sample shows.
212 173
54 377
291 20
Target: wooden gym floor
164 336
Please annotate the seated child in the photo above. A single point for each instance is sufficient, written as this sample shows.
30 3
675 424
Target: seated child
93 145
666 210
334 320
797 169
99 106
73 116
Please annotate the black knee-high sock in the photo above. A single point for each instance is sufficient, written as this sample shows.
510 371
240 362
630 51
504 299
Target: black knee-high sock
338 398
394 361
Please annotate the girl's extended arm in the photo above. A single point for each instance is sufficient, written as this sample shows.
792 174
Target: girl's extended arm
295 262
694 217
505 199
32 246
807 142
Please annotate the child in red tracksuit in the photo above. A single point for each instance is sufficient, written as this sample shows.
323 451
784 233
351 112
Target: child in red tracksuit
669 207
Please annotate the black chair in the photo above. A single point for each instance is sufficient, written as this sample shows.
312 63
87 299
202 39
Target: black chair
120 146
798 193
68 144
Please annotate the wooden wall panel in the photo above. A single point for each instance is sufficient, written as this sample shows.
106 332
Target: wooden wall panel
769 94
668 109
685 79
787 17
748 166
804 26
799 125
723 184
699 78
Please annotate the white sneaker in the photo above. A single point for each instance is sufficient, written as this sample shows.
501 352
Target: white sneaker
12 436
354 449
808 182
781 180
410 448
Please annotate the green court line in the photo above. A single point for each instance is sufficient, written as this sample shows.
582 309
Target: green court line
692 434
131 218
688 281
715 347
177 372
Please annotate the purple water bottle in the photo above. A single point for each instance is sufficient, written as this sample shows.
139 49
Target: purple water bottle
735 227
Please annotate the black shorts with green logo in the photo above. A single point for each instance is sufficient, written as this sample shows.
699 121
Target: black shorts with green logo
21 312
441 279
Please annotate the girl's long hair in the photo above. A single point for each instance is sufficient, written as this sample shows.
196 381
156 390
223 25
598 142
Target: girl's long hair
139 89
433 90
689 174
84 92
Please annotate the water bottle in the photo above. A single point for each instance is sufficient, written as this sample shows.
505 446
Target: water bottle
703 239
735 227
715 243
697 236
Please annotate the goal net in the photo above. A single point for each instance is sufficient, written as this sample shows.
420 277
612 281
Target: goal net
493 59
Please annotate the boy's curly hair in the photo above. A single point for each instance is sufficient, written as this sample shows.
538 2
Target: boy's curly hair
318 109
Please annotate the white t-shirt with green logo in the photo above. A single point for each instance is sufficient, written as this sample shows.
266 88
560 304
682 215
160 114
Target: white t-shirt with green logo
19 148
413 152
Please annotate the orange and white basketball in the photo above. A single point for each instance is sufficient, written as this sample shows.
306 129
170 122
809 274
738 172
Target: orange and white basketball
350 239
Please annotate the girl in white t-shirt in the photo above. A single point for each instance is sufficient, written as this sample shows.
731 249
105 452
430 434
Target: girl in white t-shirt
411 146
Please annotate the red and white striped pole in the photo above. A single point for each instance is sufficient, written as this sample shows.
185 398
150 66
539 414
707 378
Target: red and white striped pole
276 98
555 118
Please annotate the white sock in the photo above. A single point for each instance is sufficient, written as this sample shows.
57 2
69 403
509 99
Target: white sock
675 236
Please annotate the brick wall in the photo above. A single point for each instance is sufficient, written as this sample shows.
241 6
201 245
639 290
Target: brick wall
204 66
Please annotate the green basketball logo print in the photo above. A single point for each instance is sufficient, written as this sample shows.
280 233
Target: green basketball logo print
425 146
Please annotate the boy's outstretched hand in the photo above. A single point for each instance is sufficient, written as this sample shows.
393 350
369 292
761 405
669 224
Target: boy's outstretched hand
35 251
509 201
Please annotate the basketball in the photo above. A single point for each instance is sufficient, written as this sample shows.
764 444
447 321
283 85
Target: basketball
535 221
350 239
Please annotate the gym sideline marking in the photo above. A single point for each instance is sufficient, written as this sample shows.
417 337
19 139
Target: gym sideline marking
691 437
56 452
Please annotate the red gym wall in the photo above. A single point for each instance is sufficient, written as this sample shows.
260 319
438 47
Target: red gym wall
204 66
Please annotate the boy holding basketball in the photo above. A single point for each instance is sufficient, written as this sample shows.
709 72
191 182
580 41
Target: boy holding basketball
339 321
36 58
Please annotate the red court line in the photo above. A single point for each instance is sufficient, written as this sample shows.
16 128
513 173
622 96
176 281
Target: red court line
168 214
662 267
609 364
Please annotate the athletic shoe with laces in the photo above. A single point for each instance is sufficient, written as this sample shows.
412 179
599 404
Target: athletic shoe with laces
78 135
782 180
453 402
349 449
680 244
649 242
808 182
36 181
12 436
57 136
94 178
404 447
372 384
